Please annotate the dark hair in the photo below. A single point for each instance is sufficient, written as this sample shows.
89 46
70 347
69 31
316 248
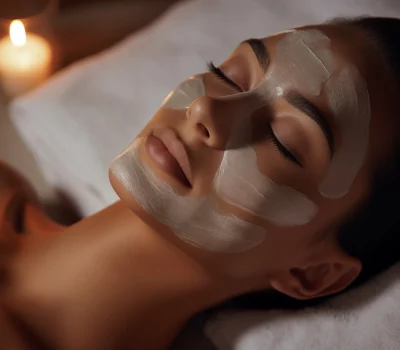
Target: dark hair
372 233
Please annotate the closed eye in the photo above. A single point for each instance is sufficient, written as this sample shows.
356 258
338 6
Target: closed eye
221 75
282 149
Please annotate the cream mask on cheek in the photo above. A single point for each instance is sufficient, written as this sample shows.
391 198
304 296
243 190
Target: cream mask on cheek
183 96
256 193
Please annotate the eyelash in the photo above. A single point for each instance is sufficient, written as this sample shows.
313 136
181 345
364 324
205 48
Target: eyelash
280 148
221 75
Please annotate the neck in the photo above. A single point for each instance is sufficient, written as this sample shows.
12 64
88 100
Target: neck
159 254
166 287
106 272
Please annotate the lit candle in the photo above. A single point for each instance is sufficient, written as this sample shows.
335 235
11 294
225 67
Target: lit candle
25 60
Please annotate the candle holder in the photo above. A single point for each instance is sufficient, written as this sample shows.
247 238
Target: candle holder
28 49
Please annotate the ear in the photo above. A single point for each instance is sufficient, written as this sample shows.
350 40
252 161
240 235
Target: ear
318 279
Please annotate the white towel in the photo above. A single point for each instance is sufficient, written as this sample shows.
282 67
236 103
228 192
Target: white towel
367 318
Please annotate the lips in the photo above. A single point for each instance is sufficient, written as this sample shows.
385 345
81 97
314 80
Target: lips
168 152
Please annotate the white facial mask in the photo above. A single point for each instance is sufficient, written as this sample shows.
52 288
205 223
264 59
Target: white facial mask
183 96
305 63
195 220
349 102
240 184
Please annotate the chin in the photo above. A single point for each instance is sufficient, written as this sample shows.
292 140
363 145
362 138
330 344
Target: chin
207 259
127 198
124 194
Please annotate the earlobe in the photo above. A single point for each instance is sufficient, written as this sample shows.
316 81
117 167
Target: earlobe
318 280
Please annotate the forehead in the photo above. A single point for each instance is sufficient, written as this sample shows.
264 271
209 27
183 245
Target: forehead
343 46
314 54
308 62
309 54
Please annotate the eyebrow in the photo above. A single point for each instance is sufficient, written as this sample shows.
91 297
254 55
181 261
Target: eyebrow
308 108
260 50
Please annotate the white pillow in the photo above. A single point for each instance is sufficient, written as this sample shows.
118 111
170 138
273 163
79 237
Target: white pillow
79 121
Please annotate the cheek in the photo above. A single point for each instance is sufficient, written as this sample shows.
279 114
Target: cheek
184 94
240 183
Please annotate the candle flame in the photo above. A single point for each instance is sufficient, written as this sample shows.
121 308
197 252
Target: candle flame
17 33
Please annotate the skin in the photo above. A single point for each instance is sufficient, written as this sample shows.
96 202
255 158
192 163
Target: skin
112 279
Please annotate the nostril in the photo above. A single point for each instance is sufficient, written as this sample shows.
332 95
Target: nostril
203 130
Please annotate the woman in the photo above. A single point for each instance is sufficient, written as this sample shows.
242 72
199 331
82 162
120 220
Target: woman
278 170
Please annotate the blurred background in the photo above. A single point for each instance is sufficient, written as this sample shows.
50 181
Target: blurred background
85 27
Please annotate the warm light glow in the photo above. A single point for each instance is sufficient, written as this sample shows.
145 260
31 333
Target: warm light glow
17 33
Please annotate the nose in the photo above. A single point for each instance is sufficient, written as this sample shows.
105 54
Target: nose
211 121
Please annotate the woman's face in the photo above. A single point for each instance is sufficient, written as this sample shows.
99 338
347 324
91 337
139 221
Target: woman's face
252 166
